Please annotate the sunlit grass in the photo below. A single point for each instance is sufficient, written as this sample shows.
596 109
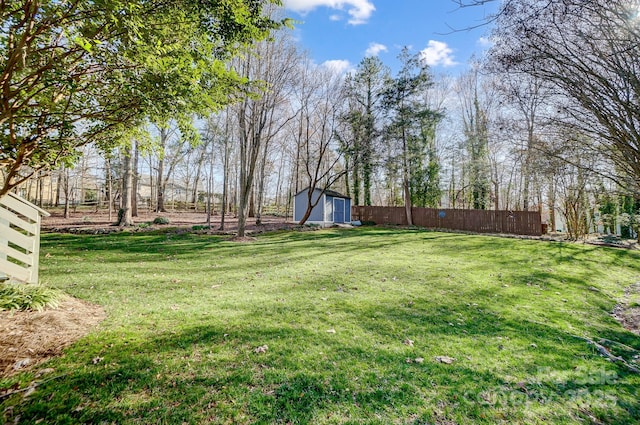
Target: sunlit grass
336 310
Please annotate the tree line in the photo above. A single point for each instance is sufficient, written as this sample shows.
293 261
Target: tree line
242 119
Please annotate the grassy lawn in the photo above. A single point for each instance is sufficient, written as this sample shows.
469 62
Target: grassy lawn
353 321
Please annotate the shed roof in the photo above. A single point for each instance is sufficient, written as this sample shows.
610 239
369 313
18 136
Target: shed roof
328 192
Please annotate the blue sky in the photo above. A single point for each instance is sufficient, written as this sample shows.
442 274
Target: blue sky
341 32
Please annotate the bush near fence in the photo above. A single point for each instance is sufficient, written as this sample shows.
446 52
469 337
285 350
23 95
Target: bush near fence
481 221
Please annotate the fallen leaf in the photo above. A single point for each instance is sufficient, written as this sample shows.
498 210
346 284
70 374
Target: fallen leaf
45 371
445 359
331 331
96 360
30 390
408 342
21 363
261 349
419 360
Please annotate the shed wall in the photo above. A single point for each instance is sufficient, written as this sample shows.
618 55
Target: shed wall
301 207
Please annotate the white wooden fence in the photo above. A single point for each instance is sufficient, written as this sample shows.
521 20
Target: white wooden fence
19 239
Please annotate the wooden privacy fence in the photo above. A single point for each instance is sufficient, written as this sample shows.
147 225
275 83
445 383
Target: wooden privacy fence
481 221
19 239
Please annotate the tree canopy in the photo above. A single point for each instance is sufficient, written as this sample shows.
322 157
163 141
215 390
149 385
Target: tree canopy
75 72
587 50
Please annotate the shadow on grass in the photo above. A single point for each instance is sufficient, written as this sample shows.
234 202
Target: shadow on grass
212 373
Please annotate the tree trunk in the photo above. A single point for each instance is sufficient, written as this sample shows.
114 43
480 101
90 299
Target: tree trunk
225 180
406 179
210 189
66 193
252 203
261 179
366 177
109 190
59 186
356 182
407 202
40 189
126 217
160 182
306 215
310 204
196 180
134 182
243 210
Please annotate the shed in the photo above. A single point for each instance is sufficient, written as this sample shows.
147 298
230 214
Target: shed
332 207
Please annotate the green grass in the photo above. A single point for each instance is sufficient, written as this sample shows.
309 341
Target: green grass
186 313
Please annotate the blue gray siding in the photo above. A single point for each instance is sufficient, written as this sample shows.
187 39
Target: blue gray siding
323 211
301 207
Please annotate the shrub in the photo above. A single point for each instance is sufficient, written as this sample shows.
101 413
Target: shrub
28 297
161 220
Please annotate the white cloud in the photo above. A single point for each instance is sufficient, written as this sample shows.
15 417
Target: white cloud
438 53
375 49
335 18
339 66
484 42
359 10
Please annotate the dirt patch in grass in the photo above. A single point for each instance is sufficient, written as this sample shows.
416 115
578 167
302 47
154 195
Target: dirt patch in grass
243 239
30 337
99 222
628 311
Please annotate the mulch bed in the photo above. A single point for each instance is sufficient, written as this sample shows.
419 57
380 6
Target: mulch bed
29 337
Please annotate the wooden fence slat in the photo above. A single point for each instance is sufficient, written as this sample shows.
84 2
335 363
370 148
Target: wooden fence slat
8 252
17 272
14 219
16 205
23 241
481 221
19 238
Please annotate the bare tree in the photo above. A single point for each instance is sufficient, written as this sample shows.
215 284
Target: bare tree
476 102
587 51
257 115
320 152
171 150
